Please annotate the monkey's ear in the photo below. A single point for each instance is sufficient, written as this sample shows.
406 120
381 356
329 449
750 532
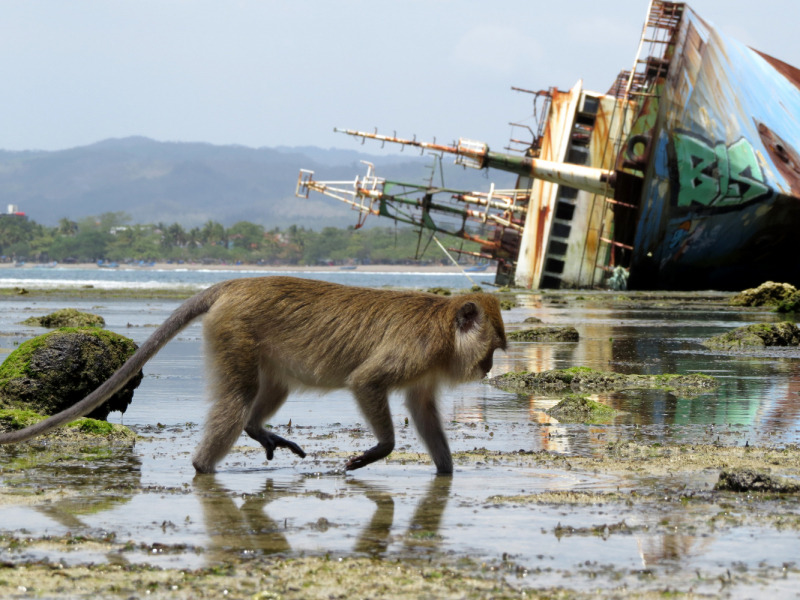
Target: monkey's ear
467 316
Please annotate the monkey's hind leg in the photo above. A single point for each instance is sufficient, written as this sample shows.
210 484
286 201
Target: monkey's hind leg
421 403
269 399
374 404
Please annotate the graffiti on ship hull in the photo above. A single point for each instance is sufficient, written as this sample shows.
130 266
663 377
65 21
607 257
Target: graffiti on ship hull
714 175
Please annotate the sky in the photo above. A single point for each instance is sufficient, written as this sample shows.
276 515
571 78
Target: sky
285 73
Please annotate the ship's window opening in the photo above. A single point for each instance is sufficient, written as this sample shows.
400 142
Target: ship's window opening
553 265
550 283
582 134
565 211
561 230
586 120
568 193
578 156
590 105
558 248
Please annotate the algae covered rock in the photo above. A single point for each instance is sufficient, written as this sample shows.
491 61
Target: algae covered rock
66 317
532 320
545 334
767 294
584 379
439 291
507 304
53 371
579 409
750 480
756 336
85 427
790 304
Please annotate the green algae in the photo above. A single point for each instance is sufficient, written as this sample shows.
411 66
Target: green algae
580 409
545 334
53 371
790 304
507 304
760 335
85 440
14 419
440 291
767 294
98 293
94 426
66 317
583 379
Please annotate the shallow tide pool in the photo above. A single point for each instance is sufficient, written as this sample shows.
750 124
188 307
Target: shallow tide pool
646 528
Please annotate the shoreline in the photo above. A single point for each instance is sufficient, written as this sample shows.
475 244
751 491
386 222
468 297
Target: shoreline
264 268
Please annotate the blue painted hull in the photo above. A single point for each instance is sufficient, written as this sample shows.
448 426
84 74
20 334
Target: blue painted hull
720 206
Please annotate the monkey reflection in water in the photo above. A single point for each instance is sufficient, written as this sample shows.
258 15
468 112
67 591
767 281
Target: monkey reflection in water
232 529
266 336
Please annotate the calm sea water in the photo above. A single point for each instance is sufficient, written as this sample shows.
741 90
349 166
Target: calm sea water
198 279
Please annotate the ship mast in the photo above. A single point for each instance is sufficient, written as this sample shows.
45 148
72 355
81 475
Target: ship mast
477 155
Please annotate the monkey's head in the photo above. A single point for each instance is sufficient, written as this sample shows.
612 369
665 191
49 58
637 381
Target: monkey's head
479 331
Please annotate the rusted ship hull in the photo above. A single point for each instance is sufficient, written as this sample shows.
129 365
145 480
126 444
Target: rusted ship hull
720 206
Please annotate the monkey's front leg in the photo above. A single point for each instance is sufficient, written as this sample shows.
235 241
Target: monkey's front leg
271 441
421 403
374 404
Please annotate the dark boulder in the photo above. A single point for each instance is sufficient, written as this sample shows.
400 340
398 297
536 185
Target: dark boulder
54 371
750 480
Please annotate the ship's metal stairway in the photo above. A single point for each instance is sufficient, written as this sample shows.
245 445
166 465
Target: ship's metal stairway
643 83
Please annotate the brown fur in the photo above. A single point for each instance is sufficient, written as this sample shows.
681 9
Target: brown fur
267 336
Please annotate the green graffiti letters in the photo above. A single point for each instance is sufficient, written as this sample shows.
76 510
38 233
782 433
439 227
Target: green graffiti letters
717 175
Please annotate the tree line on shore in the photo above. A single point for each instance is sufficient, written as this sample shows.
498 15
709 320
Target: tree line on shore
112 237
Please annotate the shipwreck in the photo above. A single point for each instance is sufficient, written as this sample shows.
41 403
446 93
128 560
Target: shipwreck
684 175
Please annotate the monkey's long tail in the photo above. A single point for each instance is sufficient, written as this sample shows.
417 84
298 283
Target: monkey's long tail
183 315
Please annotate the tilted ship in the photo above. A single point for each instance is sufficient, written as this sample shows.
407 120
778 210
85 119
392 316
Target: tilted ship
684 175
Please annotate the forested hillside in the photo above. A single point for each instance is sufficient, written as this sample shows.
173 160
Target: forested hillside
192 183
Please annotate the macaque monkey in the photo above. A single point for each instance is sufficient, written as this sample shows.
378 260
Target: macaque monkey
266 336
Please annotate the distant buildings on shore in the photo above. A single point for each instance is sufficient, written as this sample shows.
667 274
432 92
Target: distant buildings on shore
13 211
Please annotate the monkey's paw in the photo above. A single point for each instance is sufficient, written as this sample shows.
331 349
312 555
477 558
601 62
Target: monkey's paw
356 463
270 441
280 442
370 456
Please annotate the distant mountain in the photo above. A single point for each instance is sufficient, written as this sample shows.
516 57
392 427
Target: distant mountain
193 182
